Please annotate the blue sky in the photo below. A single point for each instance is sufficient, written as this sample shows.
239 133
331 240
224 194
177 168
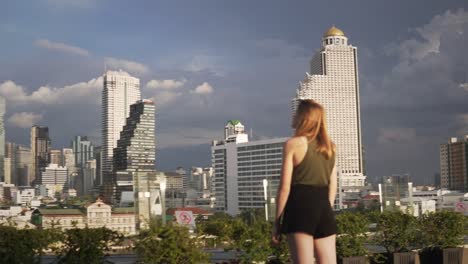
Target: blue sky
211 61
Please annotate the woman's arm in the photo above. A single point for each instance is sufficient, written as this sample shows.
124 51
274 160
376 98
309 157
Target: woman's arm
333 186
285 180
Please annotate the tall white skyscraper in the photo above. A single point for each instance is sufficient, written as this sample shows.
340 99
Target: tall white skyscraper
120 91
333 82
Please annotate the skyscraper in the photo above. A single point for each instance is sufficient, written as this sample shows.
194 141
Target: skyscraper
120 91
333 82
40 145
2 138
136 149
24 166
10 163
454 164
83 150
55 157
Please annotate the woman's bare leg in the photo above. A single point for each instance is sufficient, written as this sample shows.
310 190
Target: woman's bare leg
325 249
301 247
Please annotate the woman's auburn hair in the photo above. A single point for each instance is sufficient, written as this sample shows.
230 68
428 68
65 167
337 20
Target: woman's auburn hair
309 121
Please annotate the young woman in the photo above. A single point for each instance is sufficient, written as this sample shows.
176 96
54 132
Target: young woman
307 189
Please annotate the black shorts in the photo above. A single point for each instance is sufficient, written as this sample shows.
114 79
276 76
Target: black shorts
308 210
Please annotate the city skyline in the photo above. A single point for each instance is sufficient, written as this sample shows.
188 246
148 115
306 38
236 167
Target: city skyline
413 83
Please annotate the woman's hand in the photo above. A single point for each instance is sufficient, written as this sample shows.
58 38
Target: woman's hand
276 234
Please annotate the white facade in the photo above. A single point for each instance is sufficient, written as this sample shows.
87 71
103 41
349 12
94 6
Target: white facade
55 175
23 196
334 83
120 91
239 171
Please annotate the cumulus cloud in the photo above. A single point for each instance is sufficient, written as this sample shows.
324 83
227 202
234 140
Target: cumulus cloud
47 44
52 95
206 63
428 38
396 135
165 84
204 88
131 66
24 119
165 97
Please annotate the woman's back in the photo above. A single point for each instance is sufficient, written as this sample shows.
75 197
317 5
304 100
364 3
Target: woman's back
314 169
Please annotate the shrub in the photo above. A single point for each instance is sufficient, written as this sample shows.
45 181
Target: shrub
396 231
87 245
352 228
25 245
169 244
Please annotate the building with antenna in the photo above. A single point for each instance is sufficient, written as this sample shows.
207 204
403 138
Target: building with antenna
241 169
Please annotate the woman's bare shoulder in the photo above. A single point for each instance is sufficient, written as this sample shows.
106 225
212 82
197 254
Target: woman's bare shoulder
294 142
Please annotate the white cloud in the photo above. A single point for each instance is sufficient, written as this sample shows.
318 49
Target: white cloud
165 97
396 135
24 119
464 86
202 62
131 66
90 90
204 88
429 36
165 84
47 44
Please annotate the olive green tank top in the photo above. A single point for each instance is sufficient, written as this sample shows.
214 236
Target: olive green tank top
314 169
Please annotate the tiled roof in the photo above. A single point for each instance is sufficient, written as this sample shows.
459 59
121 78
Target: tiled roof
61 212
123 210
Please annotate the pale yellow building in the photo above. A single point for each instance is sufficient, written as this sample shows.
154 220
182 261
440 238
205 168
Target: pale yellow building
95 215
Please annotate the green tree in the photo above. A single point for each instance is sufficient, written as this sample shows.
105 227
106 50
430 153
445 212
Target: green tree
25 245
255 242
396 231
352 228
87 245
169 244
440 230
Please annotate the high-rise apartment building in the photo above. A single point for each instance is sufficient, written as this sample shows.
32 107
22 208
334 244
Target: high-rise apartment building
24 166
2 138
89 177
55 177
40 145
83 150
10 163
98 158
120 91
240 170
454 164
333 82
55 157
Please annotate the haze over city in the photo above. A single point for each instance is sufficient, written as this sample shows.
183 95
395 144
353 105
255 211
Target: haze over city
213 61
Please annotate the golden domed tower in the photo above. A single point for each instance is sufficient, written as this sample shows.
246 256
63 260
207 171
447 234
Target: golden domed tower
333 81
334 36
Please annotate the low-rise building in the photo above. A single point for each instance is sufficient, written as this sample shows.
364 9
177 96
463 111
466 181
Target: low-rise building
95 215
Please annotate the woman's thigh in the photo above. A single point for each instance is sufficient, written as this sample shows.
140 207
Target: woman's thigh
301 247
325 249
